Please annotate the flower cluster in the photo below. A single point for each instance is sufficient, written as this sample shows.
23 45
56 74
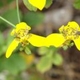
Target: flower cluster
68 33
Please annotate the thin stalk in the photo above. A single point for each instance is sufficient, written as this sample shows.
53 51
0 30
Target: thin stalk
18 15
7 21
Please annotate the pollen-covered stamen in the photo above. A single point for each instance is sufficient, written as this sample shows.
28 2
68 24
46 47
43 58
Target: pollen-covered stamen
70 32
22 33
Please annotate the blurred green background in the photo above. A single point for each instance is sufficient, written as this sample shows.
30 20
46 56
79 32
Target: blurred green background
45 63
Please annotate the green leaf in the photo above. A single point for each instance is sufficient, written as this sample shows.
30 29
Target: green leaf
48 3
3 49
12 77
43 50
29 6
27 50
52 48
1 44
9 1
14 64
57 59
1 63
44 64
33 18
4 43
1 39
1 3
9 39
77 4
11 15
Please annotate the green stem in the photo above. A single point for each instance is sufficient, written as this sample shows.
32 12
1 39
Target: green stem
18 11
7 21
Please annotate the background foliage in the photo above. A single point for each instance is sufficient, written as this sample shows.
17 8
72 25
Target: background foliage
33 61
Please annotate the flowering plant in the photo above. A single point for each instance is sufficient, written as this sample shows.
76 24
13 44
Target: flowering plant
68 33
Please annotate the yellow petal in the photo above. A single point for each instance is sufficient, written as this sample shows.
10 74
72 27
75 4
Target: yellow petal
36 40
11 48
77 43
38 3
55 39
61 28
13 32
73 24
22 25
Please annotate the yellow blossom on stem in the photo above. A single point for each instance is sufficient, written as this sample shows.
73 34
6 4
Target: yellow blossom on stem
22 35
40 4
68 33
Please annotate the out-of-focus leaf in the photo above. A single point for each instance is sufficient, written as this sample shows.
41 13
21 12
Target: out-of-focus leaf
44 64
27 51
43 50
57 59
28 58
1 63
9 39
1 39
12 77
2 49
33 18
35 77
3 26
11 15
9 1
48 3
5 43
77 4
52 48
1 44
29 6
1 3
14 64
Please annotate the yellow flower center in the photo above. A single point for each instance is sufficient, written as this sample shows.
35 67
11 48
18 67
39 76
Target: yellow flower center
21 32
70 32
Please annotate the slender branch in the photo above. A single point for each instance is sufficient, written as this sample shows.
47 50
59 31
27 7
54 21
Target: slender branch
7 21
18 15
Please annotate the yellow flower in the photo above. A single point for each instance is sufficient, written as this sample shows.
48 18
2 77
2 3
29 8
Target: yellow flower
22 35
40 4
68 33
